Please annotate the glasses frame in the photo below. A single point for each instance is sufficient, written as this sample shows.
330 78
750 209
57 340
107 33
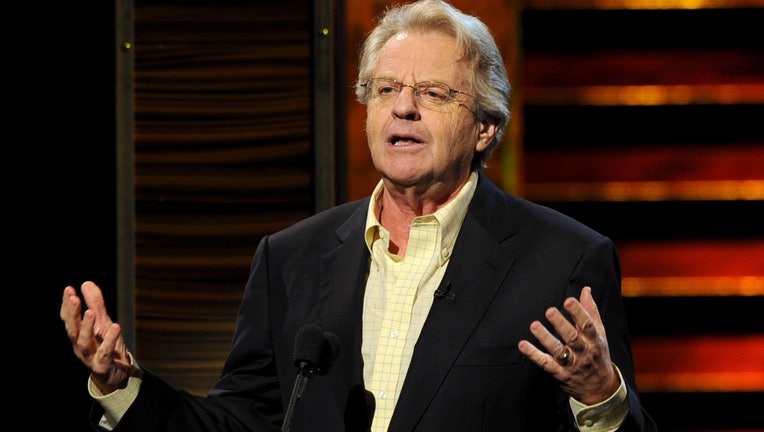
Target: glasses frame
419 88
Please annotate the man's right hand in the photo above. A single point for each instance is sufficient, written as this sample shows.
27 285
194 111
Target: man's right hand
97 340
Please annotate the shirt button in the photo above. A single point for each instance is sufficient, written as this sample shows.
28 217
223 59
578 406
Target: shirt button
393 334
383 395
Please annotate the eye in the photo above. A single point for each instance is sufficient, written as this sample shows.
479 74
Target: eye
383 90
386 88
435 93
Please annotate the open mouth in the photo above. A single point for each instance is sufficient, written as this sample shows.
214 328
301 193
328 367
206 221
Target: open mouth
402 141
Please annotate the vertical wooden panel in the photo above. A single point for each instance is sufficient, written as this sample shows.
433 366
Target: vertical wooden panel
223 156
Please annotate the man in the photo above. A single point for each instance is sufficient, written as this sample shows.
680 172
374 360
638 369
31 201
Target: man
434 286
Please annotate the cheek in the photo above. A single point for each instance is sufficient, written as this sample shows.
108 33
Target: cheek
464 132
373 123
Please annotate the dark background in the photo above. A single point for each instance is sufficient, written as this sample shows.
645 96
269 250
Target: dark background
64 194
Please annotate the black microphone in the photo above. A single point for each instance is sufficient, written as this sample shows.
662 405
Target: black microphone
359 410
444 291
314 353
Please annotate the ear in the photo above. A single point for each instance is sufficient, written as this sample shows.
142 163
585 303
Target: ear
488 130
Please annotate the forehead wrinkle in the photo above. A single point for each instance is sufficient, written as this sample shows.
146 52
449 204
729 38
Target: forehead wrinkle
417 65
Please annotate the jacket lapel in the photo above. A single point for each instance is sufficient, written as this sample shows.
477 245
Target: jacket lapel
342 284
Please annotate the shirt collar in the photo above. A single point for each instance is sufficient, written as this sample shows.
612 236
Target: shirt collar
450 218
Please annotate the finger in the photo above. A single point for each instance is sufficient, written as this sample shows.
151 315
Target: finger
70 303
586 325
112 353
564 328
541 358
103 356
86 345
93 296
587 301
554 346
70 312
116 344
94 300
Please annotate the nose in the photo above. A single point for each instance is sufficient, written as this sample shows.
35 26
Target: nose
405 105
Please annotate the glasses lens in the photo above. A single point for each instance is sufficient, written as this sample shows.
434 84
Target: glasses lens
428 93
384 88
433 93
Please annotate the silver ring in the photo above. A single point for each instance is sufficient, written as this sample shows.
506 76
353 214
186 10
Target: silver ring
564 358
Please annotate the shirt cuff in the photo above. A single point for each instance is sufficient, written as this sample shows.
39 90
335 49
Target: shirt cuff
605 416
116 403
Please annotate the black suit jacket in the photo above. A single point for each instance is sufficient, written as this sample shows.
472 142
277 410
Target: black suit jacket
512 260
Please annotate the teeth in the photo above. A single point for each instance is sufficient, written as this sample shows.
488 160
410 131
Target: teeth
403 142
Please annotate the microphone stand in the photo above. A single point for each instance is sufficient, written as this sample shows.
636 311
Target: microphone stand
314 350
300 384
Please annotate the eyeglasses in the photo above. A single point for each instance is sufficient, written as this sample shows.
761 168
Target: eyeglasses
429 93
